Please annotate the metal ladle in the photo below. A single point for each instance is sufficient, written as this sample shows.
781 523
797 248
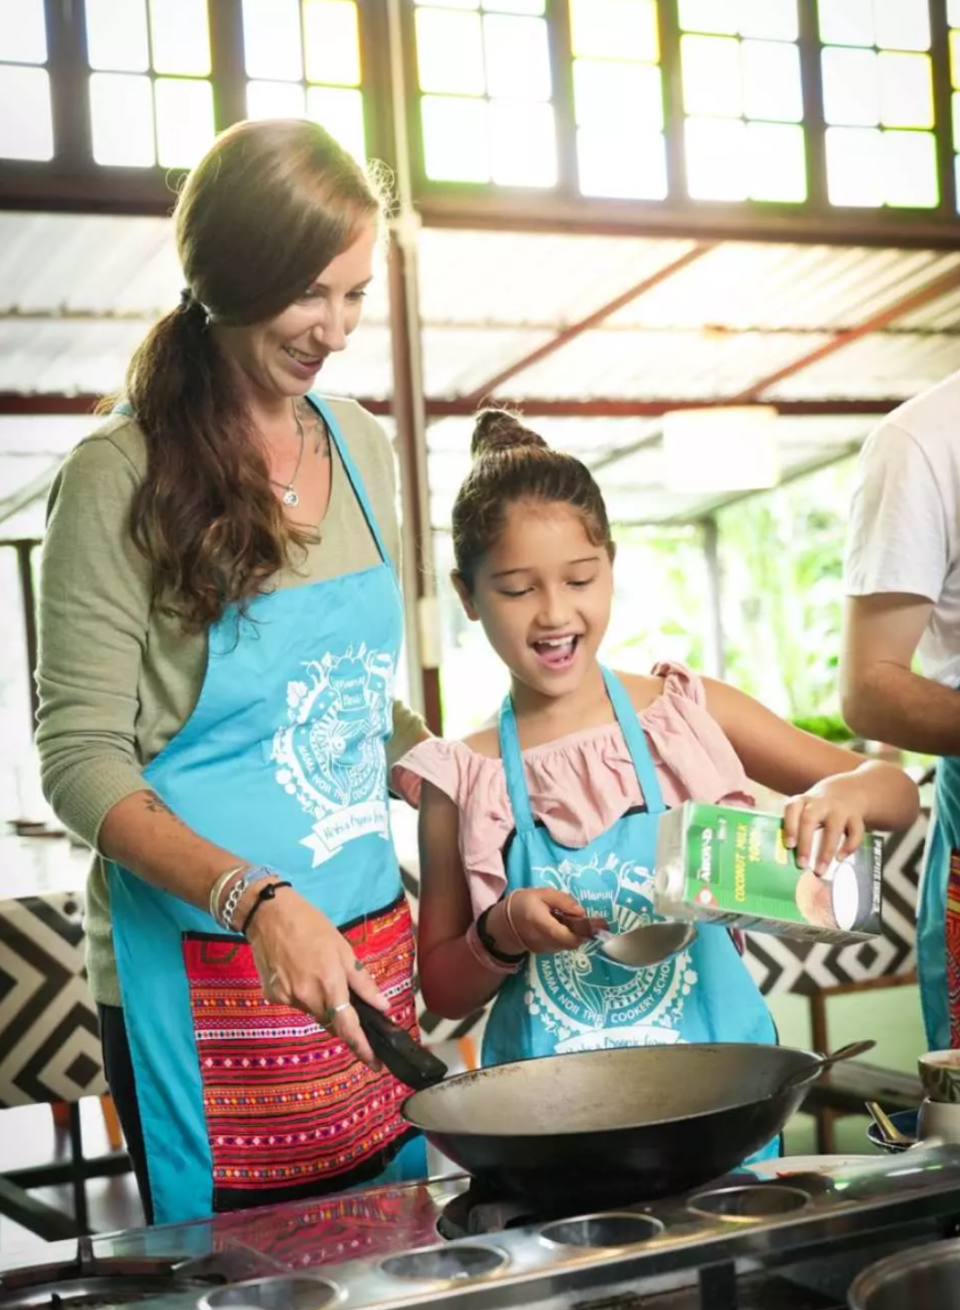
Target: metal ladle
648 944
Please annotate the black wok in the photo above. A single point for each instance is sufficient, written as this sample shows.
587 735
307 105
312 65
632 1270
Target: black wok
628 1124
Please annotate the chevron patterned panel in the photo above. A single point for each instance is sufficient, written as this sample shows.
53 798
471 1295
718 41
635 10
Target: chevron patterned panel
49 1039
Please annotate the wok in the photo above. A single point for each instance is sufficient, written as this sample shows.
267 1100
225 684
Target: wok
628 1124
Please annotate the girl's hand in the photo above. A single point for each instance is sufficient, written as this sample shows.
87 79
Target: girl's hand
306 963
836 806
541 920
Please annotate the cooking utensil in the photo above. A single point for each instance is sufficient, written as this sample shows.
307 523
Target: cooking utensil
888 1129
905 1121
629 1123
802 1078
648 944
925 1278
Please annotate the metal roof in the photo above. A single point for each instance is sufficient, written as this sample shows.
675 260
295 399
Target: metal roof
691 322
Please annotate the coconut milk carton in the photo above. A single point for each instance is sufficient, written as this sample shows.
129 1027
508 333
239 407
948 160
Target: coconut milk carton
724 865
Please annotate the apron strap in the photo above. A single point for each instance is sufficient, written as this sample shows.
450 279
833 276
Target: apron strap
636 740
353 473
513 767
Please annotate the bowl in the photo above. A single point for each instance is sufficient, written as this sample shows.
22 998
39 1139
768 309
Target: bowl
939 1120
940 1075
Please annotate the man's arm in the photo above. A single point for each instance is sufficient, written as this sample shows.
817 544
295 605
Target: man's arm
881 698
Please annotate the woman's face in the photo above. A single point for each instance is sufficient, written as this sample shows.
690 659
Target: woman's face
282 356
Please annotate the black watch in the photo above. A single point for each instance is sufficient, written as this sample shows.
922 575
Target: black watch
490 946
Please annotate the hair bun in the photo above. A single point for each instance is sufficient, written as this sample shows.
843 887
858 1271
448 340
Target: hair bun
498 429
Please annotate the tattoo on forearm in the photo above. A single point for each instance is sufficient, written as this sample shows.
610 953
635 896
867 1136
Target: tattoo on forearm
156 805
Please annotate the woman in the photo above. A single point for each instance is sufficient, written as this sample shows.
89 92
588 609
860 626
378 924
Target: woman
220 627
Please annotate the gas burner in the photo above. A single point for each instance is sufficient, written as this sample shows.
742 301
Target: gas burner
89 1281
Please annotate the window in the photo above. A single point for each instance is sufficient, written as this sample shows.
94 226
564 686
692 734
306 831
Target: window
303 61
26 119
878 103
486 88
618 98
151 99
743 100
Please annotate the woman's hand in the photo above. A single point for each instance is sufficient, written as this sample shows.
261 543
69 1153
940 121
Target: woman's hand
836 806
541 920
304 962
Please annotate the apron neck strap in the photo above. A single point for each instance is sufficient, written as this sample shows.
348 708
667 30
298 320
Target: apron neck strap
636 740
513 767
633 735
353 473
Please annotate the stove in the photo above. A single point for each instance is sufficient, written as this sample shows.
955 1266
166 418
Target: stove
791 1241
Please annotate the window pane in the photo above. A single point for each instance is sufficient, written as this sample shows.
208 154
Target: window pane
331 42
184 120
536 7
517 57
776 20
275 100
631 170
456 142
955 59
523 143
26 127
340 111
180 36
847 22
121 119
720 16
271 39
776 162
117 35
771 81
450 52
851 87
711 75
855 163
906 90
903 24
23 32
618 97
716 159
910 171
615 29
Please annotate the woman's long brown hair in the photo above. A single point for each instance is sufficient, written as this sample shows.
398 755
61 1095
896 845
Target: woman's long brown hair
263 213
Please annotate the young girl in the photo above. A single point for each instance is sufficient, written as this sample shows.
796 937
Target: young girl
554 811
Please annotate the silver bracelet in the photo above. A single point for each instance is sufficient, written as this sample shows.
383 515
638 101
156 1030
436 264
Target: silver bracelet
216 891
251 874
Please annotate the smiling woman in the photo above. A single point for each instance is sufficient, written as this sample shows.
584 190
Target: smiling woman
216 702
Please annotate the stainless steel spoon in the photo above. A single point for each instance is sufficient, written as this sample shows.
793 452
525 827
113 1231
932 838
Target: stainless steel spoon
649 944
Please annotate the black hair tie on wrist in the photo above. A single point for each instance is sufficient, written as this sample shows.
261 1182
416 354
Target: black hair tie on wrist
490 945
264 894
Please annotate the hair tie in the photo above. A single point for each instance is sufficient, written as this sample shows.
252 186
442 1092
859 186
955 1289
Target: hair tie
187 300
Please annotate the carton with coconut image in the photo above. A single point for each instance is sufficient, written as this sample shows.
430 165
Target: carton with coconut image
724 865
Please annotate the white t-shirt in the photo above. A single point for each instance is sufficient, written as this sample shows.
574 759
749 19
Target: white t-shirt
904 532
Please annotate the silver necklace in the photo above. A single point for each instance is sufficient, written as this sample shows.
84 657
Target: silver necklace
290 496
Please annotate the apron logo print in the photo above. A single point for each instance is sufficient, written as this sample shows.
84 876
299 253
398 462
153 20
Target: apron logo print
330 756
587 1001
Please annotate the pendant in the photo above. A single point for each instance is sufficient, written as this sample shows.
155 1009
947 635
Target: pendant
291 498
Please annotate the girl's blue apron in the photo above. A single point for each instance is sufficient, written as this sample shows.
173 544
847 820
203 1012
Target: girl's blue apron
938 914
282 762
581 1000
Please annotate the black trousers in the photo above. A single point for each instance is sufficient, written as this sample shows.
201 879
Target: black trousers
119 1070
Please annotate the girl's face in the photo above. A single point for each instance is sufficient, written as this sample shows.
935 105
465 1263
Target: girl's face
543 593
282 356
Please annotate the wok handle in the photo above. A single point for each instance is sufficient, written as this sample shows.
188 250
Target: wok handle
800 1077
406 1059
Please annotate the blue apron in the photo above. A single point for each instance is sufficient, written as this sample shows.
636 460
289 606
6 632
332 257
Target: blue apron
282 762
938 914
580 1000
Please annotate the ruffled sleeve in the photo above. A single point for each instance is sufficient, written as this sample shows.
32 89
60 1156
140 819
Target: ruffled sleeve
476 785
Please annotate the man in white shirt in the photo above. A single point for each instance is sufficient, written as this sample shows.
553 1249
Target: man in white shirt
903 599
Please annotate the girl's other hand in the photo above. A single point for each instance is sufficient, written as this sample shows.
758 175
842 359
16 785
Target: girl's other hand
835 807
541 920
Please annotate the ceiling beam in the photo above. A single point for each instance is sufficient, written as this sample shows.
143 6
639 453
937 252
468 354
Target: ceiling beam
16 404
592 320
933 290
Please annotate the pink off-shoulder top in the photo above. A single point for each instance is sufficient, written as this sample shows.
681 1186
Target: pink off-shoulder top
581 784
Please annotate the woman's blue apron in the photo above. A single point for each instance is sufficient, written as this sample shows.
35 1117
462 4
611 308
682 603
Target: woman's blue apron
580 1000
938 914
282 762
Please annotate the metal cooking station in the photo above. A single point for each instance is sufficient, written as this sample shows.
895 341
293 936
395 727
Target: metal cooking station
787 1242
